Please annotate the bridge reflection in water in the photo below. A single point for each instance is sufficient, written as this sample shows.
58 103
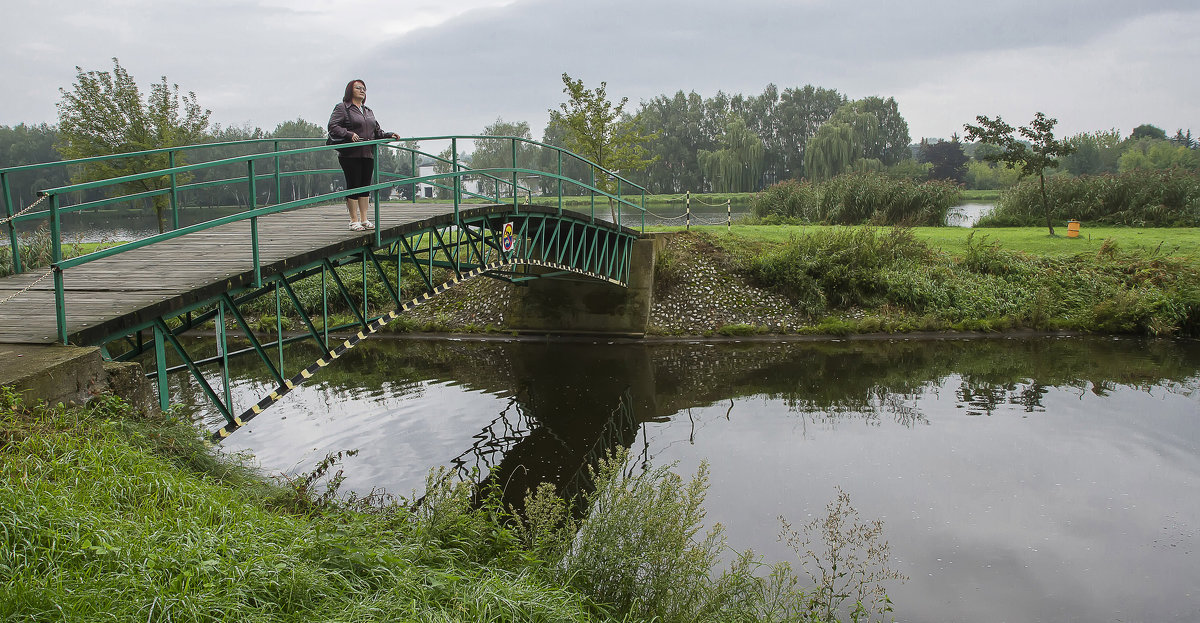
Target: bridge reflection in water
542 411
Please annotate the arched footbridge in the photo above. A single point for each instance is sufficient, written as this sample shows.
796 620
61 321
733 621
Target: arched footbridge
245 272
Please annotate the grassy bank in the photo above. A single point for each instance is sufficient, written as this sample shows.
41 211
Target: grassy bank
110 515
831 280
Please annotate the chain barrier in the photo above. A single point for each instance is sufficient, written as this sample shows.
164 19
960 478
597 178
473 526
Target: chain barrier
28 287
7 219
700 221
711 205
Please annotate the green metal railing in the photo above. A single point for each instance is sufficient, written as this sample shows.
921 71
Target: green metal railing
176 179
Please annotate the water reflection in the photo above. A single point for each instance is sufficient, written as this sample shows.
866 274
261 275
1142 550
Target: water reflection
1026 479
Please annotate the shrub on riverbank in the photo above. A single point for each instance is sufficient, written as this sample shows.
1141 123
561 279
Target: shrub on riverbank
1139 198
857 198
887 280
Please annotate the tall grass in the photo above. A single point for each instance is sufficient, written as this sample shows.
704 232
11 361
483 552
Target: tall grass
1139 198
37 250
97 526
109 515
858 198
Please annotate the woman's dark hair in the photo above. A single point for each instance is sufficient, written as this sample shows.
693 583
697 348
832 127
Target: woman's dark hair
350 91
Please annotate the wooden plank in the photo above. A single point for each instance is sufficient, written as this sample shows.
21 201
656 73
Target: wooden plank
132 282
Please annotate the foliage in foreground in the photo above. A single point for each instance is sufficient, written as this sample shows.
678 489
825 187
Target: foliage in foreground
857 198
108 514
1140 198
891 272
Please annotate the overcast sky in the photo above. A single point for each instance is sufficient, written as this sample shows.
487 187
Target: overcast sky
454 66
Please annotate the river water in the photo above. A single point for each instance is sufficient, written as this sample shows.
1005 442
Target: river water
1023 479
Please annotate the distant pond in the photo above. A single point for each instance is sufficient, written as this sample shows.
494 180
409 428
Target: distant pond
1022 479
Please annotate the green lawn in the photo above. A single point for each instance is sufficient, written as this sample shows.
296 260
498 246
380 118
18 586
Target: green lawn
1173 241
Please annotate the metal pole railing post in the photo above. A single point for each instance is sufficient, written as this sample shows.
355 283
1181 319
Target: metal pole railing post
560 183
253 203
278 178
643 210
413 160
728 216
457 192
9 211
174 191
516 199
375 194
592 190
60 292
618 202
687 206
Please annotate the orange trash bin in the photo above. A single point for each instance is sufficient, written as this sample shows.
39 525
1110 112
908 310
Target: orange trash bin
1072 229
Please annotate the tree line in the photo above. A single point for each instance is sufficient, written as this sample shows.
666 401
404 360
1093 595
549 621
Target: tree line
669 144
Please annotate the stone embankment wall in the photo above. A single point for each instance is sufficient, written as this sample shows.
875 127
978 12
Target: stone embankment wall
71 375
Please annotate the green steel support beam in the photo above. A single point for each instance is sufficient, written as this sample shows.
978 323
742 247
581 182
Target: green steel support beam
163 331
346 294
279 327
395 296
160 362
254 343
308 323
223 345
425 276
442 246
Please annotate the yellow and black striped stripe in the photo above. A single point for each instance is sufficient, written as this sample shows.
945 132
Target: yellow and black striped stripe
288 385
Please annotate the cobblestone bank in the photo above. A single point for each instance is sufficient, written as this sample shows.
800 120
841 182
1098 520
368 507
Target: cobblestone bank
702 294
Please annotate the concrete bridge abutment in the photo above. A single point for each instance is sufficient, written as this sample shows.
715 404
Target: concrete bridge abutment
583 307
71 375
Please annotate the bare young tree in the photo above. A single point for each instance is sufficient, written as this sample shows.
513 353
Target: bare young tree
1038 152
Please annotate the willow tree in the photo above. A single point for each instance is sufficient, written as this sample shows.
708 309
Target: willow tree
602 133
836 146
105 113
739 165
865 134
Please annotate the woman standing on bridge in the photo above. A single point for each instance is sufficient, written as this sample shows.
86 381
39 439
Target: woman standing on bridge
352 121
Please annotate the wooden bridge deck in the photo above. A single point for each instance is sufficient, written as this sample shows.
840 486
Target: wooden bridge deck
122 291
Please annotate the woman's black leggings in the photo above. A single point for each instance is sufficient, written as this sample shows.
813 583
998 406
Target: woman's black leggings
358 173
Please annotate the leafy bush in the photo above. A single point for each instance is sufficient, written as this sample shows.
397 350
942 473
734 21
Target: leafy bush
841 268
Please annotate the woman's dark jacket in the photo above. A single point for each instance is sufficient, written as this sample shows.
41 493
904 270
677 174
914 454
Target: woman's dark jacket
347 118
